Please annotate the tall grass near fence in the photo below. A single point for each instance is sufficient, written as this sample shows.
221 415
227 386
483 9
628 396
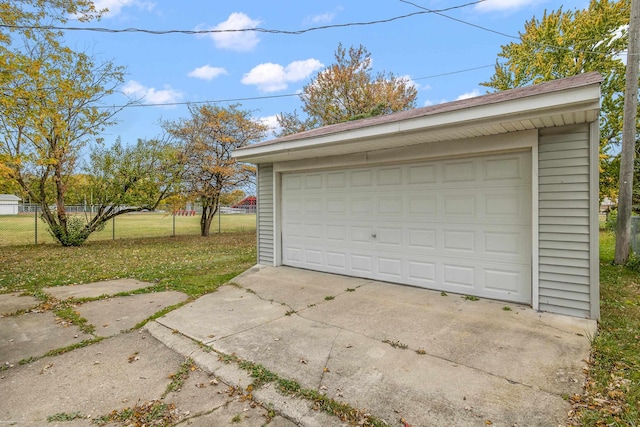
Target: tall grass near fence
21 229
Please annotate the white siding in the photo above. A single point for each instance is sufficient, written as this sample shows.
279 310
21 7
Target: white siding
265 214
564 222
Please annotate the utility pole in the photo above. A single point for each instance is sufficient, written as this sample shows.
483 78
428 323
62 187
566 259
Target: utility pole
627 155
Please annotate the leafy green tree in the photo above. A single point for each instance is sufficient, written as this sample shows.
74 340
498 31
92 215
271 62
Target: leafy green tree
208 139
50 103
566 43
124 179
348 90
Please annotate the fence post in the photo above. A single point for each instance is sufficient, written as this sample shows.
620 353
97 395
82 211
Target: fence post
219 220
113 228
35 221
174 224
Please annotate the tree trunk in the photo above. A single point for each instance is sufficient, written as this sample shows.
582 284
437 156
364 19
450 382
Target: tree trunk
208 212
623 227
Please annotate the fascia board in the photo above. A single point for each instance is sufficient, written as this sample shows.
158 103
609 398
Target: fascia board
566 101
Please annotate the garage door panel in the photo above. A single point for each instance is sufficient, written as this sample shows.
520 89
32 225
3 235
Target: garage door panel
456 241
424 206
459 171
420 238
421 273
361 178
390 176
336 179
462 225
389 236
337 260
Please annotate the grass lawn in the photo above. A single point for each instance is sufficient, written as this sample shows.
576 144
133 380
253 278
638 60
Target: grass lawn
20 229
191 264
612 392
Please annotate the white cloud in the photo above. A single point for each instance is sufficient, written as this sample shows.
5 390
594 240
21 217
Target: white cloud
492 5
207 72
236 40
272 122
412 83
324 18
429 102
468 95
115 6
151 95
270 77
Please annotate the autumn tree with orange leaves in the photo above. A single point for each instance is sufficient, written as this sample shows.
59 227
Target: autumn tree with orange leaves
51 104
348 90
208 139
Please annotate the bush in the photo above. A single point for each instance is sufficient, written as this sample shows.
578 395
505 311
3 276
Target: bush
75 234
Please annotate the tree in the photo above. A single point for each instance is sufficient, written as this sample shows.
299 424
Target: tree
566 43
124 179
208 139
50 102
347 90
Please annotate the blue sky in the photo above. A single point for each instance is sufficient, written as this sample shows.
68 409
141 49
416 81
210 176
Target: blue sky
180 68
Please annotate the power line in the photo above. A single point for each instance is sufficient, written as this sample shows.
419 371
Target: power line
217 101
439 13
257 98
236 30
455 72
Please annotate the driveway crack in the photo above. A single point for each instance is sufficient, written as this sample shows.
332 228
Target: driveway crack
325 368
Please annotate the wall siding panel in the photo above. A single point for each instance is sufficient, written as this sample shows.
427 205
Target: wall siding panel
265 214
563 236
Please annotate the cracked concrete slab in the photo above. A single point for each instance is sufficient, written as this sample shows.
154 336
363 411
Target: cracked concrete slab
10 303
296 287
479 334
93 380
34 334
225 312
97 289
113 315
284 346
395 350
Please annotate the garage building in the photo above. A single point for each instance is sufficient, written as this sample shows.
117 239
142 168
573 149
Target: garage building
494 196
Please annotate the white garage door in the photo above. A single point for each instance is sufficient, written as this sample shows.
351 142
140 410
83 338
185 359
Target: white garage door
459 225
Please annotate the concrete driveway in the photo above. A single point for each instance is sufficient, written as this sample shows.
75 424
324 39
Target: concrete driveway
405 355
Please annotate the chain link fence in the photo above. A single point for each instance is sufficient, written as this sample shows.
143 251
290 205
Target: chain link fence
20 223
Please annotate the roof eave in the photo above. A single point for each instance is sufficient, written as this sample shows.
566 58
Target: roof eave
582 99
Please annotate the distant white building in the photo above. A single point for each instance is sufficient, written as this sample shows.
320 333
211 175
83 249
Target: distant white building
9 204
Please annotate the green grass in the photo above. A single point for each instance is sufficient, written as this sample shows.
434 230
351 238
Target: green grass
20 229
191 264
612 394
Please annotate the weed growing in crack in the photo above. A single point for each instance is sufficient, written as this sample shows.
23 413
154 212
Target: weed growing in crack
350 290
153 413
470 298
65 416
320 401
396 344
259 373
178 379
329 297
290 312
69 314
